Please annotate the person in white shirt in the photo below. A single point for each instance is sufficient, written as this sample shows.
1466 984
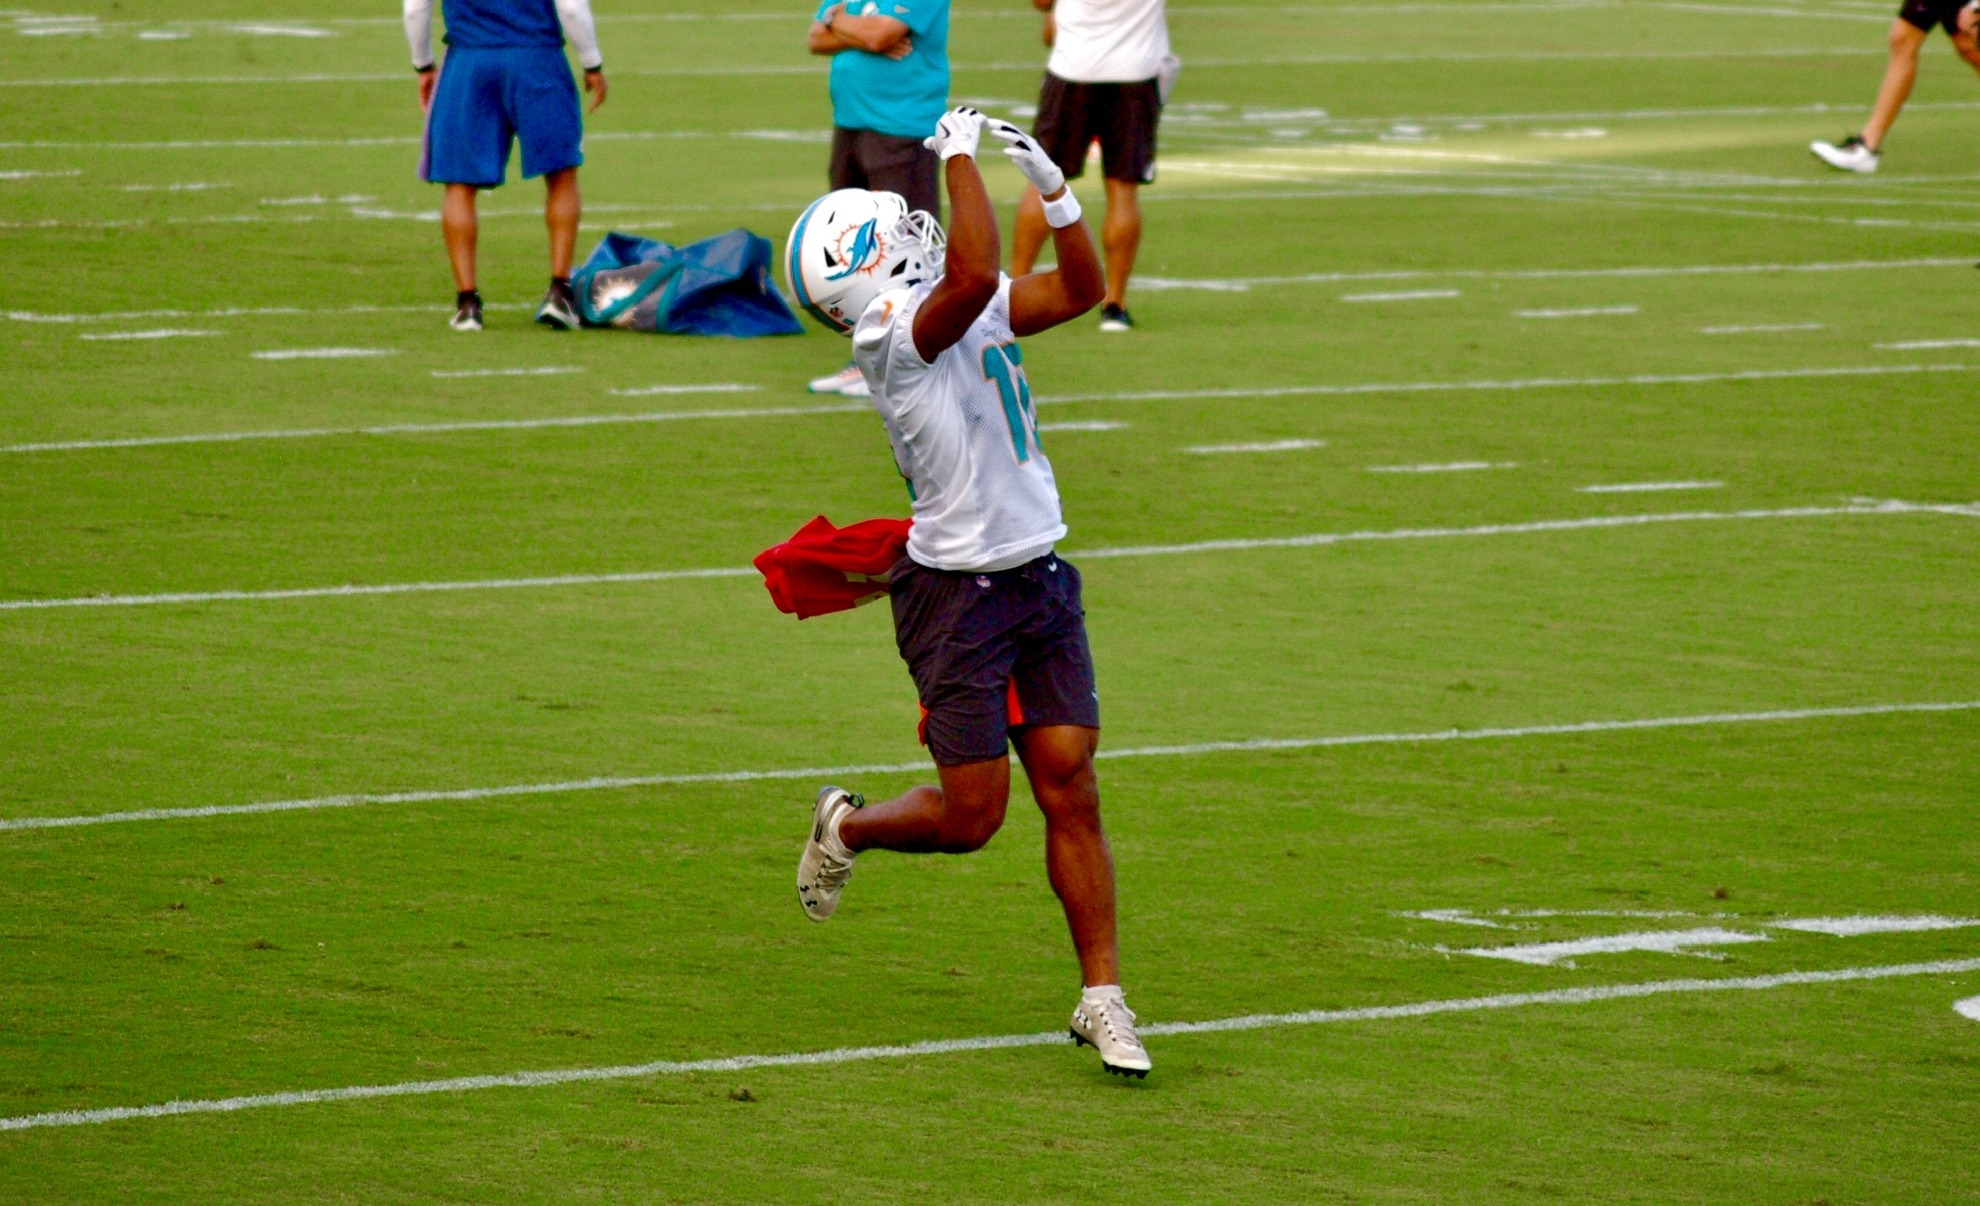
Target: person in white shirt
1109 74
987 615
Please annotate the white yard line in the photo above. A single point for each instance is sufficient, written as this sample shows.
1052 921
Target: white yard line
322 353
29 174
718 387
160 333
1914 345
1581 312
1446 467
828 773
1084 425
1201 63
301 433
1286 391
1770 327
1513 384
1238 284
1217 284
542 371
1668 942
1855 927
1647 487
1412 295
1000 1042
1264 446
1308 540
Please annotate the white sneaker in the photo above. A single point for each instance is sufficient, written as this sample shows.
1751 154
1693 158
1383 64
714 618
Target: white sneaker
848 381
1107 1025
826 864
1849 155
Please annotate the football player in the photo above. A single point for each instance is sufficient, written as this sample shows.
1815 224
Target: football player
1961 18
986 613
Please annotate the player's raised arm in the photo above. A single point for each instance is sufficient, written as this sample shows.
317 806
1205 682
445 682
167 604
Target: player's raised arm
1040 300
970 271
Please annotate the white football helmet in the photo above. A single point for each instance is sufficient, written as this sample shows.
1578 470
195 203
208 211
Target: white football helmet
852 245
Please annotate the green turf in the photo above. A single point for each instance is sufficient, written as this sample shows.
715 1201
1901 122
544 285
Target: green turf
1435 148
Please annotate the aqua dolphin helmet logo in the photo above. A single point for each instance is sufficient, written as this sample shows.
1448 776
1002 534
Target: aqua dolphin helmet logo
865 246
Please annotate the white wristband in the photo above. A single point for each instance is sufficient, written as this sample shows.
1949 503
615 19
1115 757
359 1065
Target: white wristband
1062 212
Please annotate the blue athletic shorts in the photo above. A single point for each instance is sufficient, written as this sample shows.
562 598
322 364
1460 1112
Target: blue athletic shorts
487 97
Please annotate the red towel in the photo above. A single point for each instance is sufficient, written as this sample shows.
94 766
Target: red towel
823 569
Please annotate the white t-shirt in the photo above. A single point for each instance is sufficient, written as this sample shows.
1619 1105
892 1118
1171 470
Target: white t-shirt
1108 41
964 435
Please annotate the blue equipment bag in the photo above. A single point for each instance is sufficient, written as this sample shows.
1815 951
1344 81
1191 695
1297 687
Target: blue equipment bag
719 286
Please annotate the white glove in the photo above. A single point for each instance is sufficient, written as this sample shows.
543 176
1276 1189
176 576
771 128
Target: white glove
956 133
1030 158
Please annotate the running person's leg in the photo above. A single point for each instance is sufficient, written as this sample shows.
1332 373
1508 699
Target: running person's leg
1126 125
1965 33
1902 72
959 817
1058 760
1120 238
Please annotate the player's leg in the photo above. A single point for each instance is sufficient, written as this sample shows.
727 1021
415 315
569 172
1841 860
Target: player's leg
467 149
460 227
1126 129
562 208
1859 152
1965 31
1899 76
958 633
1061 131
1120 239
541 99
1058 760
958 817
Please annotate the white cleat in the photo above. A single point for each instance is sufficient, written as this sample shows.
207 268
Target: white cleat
848 381
826 864
1107 1025
1849 155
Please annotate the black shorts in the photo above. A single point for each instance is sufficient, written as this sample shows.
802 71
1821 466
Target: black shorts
1924 14
889 164
1122 116
991 653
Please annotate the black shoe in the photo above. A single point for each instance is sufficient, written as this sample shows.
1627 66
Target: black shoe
467 312
1114 318
559 308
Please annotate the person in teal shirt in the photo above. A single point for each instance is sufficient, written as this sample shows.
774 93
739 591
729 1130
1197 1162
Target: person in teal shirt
890 85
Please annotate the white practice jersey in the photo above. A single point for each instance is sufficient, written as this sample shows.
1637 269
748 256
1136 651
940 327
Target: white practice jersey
964 436
1108 41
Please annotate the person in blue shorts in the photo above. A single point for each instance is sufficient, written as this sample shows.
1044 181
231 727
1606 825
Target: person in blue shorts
505 79
890 85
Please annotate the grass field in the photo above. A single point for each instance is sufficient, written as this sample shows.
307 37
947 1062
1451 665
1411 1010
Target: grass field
1569 245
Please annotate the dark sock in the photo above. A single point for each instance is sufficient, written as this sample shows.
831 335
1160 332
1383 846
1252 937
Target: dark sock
562 286
465 296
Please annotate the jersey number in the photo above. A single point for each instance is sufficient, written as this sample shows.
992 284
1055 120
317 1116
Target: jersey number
1003 366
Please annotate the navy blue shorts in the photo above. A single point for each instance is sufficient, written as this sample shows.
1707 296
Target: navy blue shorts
991 653
487 98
